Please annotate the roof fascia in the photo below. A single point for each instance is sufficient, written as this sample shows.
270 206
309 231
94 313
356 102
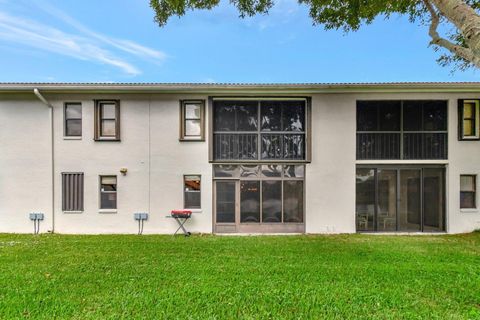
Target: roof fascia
244 89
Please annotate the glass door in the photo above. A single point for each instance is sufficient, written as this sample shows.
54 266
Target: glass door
434 201
409 199
225 201
250 201
410 209
387 200
365 199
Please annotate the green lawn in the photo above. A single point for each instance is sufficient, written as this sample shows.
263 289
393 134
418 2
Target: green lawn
213 277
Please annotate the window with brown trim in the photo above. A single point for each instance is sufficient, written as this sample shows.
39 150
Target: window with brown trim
192 115
468 119
468 186
107 120
73 119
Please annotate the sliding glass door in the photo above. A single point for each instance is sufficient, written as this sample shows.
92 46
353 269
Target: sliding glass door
387 200
249 201
408 199
434 199
225 201
365 205
410 209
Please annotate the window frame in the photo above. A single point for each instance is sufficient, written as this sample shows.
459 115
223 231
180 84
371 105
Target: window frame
99 118
402 132
184 119
422 171
185 191
65 120
461 118
306 133
261 177
100 192
475 206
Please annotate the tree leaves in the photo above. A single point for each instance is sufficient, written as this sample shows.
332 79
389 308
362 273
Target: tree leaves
164 9
346 15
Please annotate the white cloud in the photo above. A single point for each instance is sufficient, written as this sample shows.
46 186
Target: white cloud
86 45
121 44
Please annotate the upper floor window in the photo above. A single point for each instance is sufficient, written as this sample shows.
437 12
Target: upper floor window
73 119
259 130
107 120
402 129
192 120
468 119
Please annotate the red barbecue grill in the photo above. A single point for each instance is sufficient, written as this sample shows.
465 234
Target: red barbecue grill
181 216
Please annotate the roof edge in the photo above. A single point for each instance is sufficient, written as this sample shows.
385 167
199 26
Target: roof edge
225 88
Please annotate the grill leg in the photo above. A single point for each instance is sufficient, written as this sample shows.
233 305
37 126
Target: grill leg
181 222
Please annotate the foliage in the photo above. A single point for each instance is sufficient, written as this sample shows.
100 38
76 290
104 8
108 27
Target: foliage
347 15
212 277
334 14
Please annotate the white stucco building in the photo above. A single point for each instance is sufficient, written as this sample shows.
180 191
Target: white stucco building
308 158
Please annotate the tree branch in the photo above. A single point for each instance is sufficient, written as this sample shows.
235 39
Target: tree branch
463 52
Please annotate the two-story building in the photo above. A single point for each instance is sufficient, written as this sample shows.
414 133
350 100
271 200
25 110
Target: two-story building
245 158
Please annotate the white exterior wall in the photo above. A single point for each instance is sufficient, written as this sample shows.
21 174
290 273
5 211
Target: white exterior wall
156 161
25 168
171 159
330 177
463 159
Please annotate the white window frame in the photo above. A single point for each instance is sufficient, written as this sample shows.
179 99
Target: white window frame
185 191
100 192
475 193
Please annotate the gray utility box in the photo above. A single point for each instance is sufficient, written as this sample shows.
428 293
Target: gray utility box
140 216
36 216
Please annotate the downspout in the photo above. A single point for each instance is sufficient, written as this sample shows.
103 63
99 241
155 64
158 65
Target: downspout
44 101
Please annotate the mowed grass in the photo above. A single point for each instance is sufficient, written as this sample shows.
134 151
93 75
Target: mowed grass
215 277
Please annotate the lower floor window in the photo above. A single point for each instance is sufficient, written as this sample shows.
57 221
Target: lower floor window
467 191
72 191
191 189
270 193
108 192
400 199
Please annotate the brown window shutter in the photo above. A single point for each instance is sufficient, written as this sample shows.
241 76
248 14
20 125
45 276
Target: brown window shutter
117 118
72 191
460 119
96 120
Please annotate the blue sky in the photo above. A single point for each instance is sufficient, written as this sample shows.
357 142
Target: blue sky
118 41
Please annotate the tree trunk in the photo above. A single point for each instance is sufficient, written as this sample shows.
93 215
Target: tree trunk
467 21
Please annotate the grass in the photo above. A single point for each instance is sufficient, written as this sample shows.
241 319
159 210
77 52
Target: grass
211 277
